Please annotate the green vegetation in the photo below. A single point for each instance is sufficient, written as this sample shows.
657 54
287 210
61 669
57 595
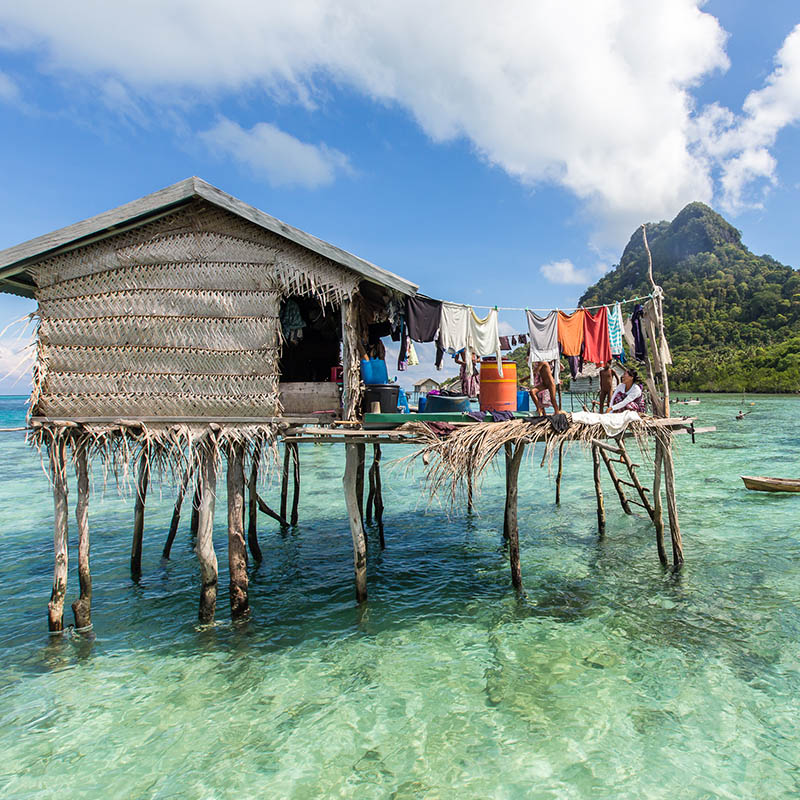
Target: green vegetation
732 318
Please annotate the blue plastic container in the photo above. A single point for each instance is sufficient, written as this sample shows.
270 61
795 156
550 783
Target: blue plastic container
439 404
421 404
402 402
374 372
523 400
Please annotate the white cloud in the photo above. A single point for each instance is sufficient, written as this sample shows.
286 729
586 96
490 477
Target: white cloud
9 91
591 95
565 272
740 146
16 358
281 158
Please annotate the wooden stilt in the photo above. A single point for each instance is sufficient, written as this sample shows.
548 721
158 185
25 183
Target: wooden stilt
378 494
560 471
287 454
672 507
623 500
512 482
362 454
205 529
176 514
138 515
370 493
58 473
470 501
509 470
295 481
658 514
265 509
82 607
237 549
356 527
252 506
195 521
601 511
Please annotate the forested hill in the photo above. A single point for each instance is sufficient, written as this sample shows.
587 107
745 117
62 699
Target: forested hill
732 318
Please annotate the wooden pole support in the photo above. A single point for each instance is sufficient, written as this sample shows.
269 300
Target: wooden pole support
205 530
560 471
509 469
672 507
285 479
237 549
356 527
378 494
470 501
58 474
370 493
512 483
176 513
296 481
362 455
601 510
658 514
82 607
138 514
252 506
195 520
616 481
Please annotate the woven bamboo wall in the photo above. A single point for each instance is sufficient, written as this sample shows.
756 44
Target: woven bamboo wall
175 318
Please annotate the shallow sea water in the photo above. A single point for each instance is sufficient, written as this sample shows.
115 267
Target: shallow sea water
611 678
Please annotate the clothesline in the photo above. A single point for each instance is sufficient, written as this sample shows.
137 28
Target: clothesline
575 308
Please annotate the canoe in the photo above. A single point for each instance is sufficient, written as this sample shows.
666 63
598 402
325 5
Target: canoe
761 484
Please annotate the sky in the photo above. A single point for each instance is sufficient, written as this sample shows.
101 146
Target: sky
493 153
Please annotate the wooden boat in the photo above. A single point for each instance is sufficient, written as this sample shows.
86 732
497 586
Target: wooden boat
762 484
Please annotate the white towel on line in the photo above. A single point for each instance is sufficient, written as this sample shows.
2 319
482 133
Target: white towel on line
483 337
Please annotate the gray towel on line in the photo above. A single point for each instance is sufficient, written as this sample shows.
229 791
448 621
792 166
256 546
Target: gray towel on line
544 336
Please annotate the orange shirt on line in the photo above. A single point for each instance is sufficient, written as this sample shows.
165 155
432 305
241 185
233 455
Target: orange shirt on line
570 332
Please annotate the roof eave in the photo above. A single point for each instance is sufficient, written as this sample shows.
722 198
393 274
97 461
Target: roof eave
15 260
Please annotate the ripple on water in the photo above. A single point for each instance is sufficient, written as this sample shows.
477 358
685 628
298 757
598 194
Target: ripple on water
610 678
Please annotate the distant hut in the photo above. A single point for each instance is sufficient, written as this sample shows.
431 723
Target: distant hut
182 326
424 386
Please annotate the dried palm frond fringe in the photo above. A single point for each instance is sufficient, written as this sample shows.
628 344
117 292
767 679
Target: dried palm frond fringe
168 450
465 453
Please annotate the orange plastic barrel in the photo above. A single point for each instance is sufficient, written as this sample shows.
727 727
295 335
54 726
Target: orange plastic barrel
496 393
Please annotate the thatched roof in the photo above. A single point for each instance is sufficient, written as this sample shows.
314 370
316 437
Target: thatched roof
15 262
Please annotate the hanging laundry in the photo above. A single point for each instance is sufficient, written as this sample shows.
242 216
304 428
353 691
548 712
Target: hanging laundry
575 365
596 347
413 360
523 338
453 327
640 349
615 329
483 337
544 336
514 341
570 332
422 318
292 322
421 324
504 343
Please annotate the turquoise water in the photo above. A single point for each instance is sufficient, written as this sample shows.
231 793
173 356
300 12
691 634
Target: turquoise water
611 679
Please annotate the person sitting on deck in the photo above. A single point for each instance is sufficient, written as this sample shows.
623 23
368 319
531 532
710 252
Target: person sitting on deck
628 395
543 387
